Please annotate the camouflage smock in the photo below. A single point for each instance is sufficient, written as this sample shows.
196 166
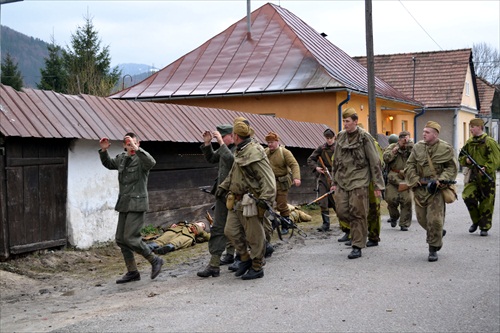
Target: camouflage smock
356 161
251 172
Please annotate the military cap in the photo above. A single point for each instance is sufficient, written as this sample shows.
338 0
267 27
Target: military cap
393 138
433 124
349 112
238 119
225 129
476 122
271 136
328 133
402 134
242 128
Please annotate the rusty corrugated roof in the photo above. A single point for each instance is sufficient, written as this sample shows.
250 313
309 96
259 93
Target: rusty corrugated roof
46 114
439 76
284 54
486 92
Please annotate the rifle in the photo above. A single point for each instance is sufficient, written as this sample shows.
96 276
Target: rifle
463 152
205 190
326 169
430 183
321 197
279 221
209 218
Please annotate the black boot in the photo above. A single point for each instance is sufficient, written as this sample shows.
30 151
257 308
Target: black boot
269 250
355 253
153 246
253 274
371 243
226 259
156 267
473 228
433 256
326 222
209 271
344 238
243 267
164 249
129 277
234 266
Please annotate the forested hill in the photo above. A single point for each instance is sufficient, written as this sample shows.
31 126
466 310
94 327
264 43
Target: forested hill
29 53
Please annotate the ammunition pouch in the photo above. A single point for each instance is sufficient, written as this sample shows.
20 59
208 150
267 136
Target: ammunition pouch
249 206
284 182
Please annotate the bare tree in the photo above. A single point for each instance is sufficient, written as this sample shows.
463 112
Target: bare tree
486 61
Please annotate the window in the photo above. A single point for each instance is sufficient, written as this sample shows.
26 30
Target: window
467 88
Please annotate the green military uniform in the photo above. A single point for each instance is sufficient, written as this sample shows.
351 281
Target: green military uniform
183 235
356 164
224 156
251 173
396 163
133 202
324 183
430 208
479 192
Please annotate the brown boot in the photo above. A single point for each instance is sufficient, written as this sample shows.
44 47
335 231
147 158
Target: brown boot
129 277
209 271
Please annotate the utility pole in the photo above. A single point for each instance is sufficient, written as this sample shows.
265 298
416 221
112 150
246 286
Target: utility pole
372 107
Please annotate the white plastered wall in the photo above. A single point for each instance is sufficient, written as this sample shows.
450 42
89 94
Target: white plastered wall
92 194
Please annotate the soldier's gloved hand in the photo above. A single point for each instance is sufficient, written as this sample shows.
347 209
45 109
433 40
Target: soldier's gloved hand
220 192
262 204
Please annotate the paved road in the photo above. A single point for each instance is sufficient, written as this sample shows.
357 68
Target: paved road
311 286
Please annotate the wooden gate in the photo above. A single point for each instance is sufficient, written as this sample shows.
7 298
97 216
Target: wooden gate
35 191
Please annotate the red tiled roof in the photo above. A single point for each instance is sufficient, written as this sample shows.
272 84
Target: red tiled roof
486 92
284 54
46 114
439 76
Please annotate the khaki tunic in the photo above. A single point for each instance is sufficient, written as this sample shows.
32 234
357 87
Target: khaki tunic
183 236
283 162
430 208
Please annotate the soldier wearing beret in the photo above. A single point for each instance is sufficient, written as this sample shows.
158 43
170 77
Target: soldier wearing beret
479 191
325 152
356 164
431 159
395 157
224 157
251 176
286 170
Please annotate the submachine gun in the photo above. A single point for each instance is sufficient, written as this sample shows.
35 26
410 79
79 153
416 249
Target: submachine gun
430 184
279 221
464 153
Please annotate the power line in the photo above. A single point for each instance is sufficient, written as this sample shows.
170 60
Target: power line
420 25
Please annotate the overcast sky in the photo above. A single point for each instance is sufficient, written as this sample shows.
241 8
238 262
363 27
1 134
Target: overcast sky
157 33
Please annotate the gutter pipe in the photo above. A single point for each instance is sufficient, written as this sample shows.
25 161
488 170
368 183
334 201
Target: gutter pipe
415 122
340 108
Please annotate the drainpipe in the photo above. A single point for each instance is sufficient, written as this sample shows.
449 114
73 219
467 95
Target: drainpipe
415 122
454 144
340 109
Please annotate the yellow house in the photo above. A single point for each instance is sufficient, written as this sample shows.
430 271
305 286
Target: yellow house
279 67
443 81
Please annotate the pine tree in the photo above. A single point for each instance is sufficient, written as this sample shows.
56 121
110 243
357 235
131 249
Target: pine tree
88 66
54 76
11 75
